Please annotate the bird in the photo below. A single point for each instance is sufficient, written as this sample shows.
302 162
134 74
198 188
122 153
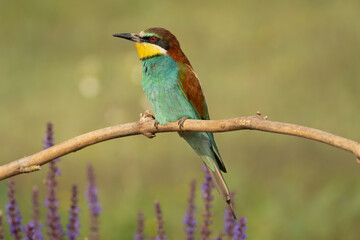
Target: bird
173 88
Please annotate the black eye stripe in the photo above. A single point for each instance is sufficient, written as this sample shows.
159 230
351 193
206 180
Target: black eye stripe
158 41
164 44
149 39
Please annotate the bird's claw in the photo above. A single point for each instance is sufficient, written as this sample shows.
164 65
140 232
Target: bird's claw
182 121
147 114
156 124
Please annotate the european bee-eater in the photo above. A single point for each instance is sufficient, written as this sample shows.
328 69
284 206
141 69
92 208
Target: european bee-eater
174 90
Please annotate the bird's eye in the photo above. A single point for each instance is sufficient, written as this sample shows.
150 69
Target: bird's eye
153 39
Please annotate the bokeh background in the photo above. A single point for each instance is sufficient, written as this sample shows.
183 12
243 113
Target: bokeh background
296 62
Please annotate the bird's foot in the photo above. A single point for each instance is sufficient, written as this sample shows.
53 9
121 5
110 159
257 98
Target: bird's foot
182 121
147 114
144 117
156 124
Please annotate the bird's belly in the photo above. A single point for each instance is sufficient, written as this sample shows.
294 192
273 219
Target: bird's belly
170 104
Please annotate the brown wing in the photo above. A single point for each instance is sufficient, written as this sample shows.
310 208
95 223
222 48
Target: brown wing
192 89
190 86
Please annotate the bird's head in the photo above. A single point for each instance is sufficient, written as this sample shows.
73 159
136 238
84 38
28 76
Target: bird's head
154 42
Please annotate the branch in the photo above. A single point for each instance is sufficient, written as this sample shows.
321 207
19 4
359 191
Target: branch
146 127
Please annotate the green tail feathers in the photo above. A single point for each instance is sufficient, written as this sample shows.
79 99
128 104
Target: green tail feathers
216 153
205 146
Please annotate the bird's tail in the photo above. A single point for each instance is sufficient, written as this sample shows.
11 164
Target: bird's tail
221 186
202 145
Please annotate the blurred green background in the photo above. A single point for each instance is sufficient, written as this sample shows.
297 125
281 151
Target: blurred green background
296 62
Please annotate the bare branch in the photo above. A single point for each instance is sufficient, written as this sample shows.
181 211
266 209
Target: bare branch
146 127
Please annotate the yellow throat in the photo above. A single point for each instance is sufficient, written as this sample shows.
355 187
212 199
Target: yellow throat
147 50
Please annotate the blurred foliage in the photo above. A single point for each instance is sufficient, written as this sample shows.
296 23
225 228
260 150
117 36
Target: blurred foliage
295 61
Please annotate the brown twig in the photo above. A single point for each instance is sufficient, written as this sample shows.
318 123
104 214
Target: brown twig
146 127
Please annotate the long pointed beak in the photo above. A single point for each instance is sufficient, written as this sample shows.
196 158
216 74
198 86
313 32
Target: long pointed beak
129 36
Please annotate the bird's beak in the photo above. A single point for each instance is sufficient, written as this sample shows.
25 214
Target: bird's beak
129 36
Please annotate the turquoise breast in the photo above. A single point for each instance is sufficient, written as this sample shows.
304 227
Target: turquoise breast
160 83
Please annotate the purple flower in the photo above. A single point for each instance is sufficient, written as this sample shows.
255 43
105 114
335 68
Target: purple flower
239 229
190 220
52 217
94 204
160 229
74 225
35 221
30 233
49 141
49 137
207 198
1 227
14 218
35 204
140 227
